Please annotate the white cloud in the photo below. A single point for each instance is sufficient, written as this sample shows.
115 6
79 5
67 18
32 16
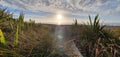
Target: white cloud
54 5
118 8
66 7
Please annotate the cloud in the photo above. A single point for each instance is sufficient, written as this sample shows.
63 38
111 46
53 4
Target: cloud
68 5
118 8
69 8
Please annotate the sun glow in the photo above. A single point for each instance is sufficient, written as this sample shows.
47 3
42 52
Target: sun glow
59 16
59 19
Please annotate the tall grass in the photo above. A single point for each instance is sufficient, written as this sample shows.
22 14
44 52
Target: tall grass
31 23
16 37
4 15
2 39
8 23
98 41
21 22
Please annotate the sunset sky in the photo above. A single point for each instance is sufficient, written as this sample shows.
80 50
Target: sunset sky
46 11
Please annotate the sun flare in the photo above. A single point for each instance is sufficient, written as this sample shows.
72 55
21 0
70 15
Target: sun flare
59 19
59 16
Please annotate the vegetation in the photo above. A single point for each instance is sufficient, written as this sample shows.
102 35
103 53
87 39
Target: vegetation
24 39
21 22
16 37
98 41
2 39
29 39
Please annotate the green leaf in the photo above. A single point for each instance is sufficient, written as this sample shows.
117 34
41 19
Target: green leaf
2 39
16 37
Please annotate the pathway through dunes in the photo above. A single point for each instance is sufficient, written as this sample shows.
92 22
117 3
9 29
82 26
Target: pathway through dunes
64 43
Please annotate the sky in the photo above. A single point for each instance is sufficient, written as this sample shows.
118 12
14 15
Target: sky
46 11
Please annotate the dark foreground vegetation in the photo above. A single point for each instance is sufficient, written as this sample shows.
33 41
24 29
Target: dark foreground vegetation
30 39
